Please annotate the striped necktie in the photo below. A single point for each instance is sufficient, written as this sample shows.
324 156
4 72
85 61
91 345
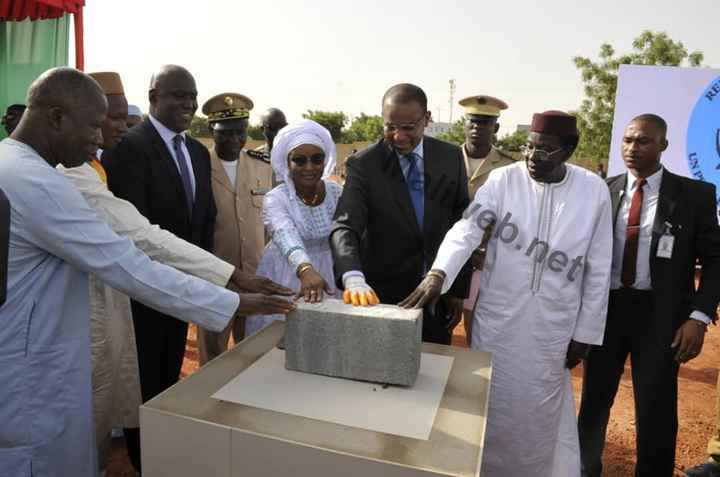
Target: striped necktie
184 172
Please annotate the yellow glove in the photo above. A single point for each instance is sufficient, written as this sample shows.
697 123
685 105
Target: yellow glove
358 292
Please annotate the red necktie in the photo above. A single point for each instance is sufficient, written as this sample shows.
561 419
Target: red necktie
632 234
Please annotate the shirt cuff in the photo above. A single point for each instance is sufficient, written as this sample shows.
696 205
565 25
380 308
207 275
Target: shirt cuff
297 257
700 316
225 272
352 273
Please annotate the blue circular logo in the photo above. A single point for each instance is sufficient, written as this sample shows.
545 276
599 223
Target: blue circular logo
703 137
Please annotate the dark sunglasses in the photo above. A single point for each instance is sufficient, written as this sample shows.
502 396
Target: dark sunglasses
316 159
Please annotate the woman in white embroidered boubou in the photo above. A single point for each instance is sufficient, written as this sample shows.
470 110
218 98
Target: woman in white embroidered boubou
298 214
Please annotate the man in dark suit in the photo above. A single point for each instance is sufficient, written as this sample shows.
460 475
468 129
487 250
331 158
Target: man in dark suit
166 175
401 196
664 224
4 244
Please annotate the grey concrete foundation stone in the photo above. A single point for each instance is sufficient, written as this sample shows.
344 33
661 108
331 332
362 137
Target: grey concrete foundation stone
372 343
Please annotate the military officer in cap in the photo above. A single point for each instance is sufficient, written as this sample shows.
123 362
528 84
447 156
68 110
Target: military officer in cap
481 157
481 125
239 181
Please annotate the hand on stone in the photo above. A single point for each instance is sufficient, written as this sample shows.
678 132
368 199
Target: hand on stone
689 340
312 285
427 292
248 283
576 352
257 304
358 292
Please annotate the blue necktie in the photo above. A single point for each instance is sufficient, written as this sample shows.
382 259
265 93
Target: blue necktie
184 172
416 188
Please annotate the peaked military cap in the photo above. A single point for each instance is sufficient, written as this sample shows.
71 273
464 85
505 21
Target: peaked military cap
483 105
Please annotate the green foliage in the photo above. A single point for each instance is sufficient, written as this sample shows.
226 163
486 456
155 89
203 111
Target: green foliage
334 121
199 127
364 128
255 131
595 115
511 142
456 134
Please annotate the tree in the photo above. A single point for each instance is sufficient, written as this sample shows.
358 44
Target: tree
595 115
511 142
255 131
364 128
456 134
199 127
334 121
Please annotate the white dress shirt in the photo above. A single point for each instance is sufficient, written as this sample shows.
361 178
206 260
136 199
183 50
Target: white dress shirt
167 136
651 193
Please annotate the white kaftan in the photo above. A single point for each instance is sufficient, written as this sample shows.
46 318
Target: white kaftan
56 240
115 378
531 305
299 234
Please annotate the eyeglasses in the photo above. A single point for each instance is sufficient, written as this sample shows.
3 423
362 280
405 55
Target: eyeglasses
529 151
406 127
316 159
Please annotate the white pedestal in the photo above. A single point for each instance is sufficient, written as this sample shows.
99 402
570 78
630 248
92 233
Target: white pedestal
185 432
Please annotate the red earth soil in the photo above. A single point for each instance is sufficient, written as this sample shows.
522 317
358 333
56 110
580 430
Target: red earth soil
696 407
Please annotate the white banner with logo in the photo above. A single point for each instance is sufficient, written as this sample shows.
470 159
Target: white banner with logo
689 100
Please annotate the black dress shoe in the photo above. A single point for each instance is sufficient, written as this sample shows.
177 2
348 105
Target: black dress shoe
708 469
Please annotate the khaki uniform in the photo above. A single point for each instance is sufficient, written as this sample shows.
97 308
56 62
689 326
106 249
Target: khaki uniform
263 149
478 170
239 233
262 153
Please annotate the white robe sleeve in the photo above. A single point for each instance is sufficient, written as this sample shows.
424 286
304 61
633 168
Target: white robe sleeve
61 222
467 233
590 327
281 226
158 244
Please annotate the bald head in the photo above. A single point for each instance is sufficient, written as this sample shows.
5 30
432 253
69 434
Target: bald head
62 122
272 121
405 93
167 73
173 97
653 119
274 114
64 87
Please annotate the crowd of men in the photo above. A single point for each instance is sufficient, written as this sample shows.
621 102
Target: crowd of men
121 231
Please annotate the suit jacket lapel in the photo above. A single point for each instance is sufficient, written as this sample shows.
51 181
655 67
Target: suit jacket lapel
399 189
434 172
617 190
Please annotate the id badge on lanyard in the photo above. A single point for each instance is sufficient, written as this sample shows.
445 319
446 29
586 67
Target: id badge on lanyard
666 242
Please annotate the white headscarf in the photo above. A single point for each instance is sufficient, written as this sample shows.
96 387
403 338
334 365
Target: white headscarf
297 134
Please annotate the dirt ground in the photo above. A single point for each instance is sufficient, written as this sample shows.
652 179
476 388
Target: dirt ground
696 407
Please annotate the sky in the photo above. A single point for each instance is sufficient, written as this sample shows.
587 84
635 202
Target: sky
342 55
